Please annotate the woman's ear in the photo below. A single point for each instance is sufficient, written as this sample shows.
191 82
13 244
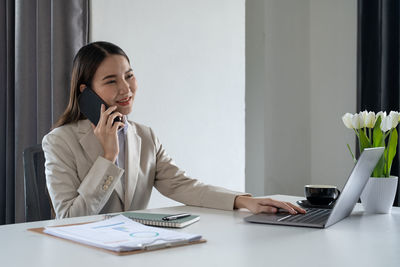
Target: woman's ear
82 87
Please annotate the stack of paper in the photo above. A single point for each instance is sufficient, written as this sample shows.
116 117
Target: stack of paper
122 234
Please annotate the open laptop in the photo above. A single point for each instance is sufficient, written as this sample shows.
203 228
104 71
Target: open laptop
322 218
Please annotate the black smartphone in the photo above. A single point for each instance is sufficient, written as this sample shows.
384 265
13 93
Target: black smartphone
90 104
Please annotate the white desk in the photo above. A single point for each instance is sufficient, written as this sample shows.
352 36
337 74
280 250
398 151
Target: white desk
359 240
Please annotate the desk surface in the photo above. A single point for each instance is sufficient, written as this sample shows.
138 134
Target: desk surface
359 240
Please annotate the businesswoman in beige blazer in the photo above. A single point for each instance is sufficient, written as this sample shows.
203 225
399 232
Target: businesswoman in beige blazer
113 167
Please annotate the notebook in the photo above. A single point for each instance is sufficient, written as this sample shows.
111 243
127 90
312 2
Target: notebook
322 218
155 219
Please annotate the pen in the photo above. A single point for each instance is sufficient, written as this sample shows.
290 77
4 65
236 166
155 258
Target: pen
176 216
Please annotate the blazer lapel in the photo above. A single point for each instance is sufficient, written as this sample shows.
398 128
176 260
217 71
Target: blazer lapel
132 164
88 140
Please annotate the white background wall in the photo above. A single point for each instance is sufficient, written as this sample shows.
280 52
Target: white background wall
300 80
188 57
333 58
285 83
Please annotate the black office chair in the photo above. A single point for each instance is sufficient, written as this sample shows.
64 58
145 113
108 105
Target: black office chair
37 201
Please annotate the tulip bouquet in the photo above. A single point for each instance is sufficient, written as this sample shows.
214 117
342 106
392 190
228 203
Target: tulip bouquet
375 130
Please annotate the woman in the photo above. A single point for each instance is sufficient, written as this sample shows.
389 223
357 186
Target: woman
113 166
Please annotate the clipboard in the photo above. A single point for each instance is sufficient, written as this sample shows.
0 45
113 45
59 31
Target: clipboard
40 230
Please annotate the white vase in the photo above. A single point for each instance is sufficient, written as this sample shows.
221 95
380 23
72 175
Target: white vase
378 194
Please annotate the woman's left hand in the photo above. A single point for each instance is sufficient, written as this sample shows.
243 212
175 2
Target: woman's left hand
265 205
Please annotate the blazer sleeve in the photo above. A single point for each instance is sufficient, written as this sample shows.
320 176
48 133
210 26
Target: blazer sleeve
71 195
173 183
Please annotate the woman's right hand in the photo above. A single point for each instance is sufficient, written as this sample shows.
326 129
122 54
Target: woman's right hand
106 132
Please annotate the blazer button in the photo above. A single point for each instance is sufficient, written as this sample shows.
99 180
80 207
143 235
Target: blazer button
108 182
110 178
105 187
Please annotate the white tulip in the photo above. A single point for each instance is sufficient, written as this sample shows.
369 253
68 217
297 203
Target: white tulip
380 114
357 121
363 114
369 119
386 125
347 120
395 118
390 121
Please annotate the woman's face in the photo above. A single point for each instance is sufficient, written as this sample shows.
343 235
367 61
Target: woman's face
115 83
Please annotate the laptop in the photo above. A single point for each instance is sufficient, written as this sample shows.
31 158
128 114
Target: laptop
322 218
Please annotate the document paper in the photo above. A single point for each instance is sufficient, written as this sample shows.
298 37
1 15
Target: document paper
121 234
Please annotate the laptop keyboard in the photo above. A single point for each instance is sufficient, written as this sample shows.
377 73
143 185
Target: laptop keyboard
312 216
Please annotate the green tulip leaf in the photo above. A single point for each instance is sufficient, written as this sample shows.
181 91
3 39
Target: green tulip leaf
391 149
364 142
377 138
379 168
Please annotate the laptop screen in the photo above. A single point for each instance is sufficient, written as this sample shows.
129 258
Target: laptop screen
355 184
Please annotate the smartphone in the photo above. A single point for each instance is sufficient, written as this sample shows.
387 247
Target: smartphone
90 105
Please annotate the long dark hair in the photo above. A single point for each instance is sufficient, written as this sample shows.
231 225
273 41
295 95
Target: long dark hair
85 65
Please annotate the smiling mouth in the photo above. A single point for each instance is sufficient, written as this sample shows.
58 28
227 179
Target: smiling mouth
124 101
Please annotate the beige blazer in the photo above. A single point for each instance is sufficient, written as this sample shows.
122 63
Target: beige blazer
81 182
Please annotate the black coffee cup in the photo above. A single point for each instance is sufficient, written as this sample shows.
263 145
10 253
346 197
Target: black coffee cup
321 194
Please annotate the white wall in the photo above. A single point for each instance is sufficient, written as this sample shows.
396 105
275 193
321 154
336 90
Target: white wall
188 57
300 80
278 85
255 95
333 46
